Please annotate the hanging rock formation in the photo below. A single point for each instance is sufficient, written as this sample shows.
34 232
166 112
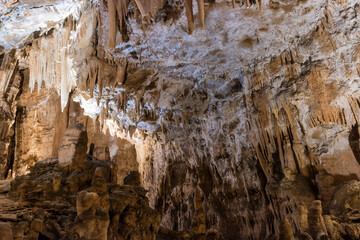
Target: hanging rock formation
239 118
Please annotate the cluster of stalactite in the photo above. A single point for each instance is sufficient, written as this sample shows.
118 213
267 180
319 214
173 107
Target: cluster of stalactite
142 111
278 131
102 72
53 58
201 10
50 62
117 11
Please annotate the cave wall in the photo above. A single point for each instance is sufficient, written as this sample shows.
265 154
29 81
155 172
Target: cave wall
235 127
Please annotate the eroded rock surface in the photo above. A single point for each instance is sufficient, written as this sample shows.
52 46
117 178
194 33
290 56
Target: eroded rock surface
55 201
240 118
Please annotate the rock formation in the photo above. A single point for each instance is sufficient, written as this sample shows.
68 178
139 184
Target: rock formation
239 118
58 201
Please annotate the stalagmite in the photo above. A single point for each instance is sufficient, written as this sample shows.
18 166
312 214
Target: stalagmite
189 15
286 230
315 219
201 8
303 217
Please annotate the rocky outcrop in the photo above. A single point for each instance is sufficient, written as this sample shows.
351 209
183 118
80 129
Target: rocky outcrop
55 201
240 118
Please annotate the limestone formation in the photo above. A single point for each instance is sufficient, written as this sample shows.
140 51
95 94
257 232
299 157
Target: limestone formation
73 148
179 119
53 203
286 230
316 221
6 231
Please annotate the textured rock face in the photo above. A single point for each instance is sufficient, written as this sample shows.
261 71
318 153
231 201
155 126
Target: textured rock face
73 148
242 125
54 201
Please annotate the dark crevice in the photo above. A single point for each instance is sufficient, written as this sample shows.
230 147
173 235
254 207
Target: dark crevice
9 167
68 109
12 148
354 141
11 155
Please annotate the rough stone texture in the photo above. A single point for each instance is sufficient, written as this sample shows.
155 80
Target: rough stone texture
52 202
74 147
6 231
248 128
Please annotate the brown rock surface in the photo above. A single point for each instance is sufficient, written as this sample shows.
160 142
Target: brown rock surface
246 129
6 231
73 149
81 204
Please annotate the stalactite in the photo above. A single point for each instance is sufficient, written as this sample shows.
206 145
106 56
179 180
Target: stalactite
287 57
112 23
323 21
119 101
50 63
177 121
184 119
332 42
293 55
162 126
35 64
120 73
353 107
168 123
189 15
121 9
101 78
148 8
233 3
282 57
125 102
102 120
247 4
258 4
201 9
